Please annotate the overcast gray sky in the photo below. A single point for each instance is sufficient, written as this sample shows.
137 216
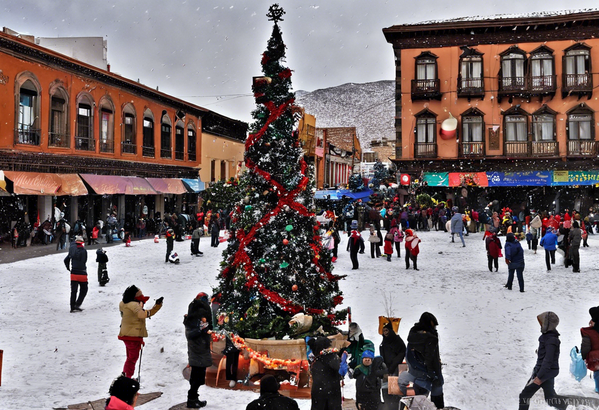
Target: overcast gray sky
206 51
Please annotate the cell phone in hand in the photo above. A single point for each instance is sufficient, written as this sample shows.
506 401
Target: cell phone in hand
159 300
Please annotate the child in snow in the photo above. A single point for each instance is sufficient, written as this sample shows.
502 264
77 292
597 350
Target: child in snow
170 243
102 259
389 246
123 394
368 381
412 248
529 238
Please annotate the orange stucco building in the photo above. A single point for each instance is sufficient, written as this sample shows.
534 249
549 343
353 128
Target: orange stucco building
521 90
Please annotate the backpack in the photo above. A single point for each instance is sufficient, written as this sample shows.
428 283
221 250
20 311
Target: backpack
578 368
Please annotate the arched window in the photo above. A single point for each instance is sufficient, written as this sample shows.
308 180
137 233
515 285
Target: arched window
426 84
166 150
191 141
576 66
106 124
426 134
581 130
542 71
84 139
512 77
544 141
473 132
471 79
180 140
129 141
515 131
27 127
58 133
148 137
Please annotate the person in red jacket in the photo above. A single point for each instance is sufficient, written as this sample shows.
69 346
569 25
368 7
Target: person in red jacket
412 248
589 348
493 245
123 394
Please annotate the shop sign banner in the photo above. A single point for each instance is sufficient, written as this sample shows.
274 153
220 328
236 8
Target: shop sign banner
436 178
575 178
532 178
468 179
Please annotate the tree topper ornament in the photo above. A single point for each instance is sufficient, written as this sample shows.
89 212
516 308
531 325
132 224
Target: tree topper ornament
275 13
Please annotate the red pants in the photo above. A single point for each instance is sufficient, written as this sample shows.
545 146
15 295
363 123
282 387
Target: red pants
133 347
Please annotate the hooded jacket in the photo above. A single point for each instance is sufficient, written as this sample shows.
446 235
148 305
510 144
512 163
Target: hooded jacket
547 366
423 340
393 350
493 245
575 237
326 386
549 241
457 224
514 252
133 316
198 338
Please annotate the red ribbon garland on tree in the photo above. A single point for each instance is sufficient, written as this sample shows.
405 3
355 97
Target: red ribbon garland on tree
285 198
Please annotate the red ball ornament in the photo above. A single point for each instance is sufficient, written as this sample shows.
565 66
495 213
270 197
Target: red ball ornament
285 242
294 288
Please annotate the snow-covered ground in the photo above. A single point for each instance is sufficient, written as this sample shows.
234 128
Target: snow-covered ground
488 335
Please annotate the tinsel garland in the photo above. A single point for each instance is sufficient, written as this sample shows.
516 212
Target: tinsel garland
285 198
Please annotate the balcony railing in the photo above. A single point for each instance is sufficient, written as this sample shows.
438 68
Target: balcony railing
577 83
165 153
517 149
148 152
191 156
513 85
582 148
107 146
471 87
58 140
128 148
29 137
179 155
85 144
545 84
544 148
425 150
472 149
425 89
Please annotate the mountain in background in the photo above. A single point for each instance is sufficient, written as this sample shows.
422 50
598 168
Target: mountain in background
370 107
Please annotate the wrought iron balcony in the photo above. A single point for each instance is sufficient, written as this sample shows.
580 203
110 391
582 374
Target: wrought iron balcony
426 89
107 146
179 155
577 83
85 144
544 148
545 84
513 85
58 140
582 148
472 149
128 148
425 150
148 152
29 136
191 156
471 87
166 153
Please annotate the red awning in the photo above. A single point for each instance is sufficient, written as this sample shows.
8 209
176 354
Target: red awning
167 185
72 185
34 183
113 184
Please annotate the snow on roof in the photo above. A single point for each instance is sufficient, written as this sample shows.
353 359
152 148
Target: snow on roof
538 14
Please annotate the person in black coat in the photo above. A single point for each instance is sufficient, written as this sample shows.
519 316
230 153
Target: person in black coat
76 263
170 243
198 327
424 361
270 398
355 244
547 366
368 377
393 349
214 231
326 381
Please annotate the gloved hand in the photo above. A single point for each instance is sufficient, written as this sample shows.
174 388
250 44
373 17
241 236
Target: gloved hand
159 300
343 365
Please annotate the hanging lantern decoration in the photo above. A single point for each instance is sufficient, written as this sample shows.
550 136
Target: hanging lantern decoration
294 288
289 228
285 241
404 179
448 128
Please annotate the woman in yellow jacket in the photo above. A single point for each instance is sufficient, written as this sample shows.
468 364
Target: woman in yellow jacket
133 324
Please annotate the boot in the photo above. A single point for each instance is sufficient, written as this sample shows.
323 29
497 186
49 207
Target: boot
196 404
438 401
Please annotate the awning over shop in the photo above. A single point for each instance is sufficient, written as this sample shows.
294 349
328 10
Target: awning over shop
113 184
194 185
3 191
167 185
72 185
336 195
509 179
33 183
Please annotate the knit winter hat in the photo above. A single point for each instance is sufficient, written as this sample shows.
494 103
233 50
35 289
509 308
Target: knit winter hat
79 239
409 232
368 354
269 384
202 296
354 224
124 388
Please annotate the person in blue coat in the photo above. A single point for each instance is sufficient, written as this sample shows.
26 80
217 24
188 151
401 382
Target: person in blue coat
457 225
547 366
514 257
549 243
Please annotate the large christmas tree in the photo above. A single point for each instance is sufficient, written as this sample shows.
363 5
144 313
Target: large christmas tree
274 266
